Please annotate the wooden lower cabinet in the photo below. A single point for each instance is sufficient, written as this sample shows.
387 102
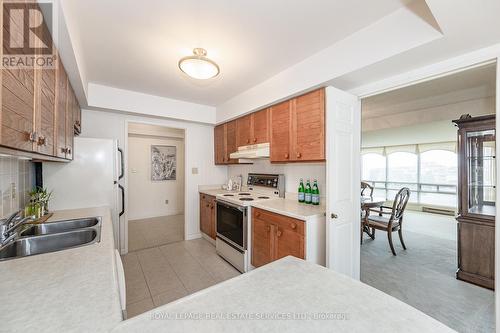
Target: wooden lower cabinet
207 215
476 252
275 236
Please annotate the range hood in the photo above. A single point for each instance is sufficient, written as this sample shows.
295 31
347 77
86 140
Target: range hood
260 150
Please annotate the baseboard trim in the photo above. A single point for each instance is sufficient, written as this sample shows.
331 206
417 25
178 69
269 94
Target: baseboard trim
193 236
478 280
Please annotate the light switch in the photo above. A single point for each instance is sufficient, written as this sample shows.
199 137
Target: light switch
194 171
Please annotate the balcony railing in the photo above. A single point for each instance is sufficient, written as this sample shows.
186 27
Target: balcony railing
419 189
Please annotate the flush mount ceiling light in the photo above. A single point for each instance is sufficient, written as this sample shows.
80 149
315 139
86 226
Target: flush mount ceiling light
198 66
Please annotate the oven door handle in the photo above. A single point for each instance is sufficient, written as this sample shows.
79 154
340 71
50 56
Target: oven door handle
231 206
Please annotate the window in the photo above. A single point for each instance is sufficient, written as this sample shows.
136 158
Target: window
431 175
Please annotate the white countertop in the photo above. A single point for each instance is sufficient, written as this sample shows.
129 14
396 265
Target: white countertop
73 290
287 207
286 287
291 208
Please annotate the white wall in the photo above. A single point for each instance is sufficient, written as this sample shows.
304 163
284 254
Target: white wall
147 198
292 171
198 149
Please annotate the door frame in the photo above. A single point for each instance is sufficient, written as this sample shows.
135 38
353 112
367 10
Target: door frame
125 172
434 71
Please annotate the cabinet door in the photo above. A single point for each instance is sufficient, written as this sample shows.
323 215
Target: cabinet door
262 242
243 130
205 215
280 132
45 111
213 217
289 242
70 122
308 127
260 126
219 144
18 92
61 104
231 145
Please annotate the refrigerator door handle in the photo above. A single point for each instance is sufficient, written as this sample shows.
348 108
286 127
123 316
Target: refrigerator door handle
122 164
122 189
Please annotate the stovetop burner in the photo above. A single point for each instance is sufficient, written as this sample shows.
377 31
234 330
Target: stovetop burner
246 199
244 194
262 197
228 195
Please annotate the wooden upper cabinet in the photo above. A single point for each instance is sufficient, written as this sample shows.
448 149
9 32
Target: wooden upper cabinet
70 122
280 123
45 111
260 126
219 144
308 127
231 145
244 131
61 104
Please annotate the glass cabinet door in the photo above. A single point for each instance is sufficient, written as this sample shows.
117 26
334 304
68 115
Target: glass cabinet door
481 175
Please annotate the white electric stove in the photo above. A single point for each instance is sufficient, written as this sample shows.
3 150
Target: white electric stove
232 216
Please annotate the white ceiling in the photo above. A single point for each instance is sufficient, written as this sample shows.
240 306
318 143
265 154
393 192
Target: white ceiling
464 86
136 45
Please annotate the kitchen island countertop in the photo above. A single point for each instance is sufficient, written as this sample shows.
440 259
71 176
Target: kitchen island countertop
281 290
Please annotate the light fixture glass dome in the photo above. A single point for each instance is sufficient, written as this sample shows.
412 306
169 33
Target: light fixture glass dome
198 66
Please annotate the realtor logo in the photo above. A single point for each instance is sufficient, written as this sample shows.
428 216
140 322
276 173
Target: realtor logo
28 34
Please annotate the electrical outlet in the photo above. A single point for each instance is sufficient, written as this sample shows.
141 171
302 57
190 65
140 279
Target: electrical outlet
13 191
166 202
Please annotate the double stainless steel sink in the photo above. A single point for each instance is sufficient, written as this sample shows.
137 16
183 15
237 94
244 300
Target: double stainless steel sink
52 236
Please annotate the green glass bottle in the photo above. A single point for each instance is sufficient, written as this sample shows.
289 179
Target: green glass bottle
308 197
315 193
301 191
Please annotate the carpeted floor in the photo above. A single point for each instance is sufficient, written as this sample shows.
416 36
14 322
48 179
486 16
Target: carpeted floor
156 231
423 276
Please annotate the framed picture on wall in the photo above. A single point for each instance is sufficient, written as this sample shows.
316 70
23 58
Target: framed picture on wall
163 163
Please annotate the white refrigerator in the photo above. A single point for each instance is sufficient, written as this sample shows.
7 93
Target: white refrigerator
92 179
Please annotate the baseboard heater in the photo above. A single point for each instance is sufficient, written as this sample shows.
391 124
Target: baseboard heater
438 211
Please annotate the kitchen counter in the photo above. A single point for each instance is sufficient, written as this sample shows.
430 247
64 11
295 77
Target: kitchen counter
286 287
291 208
74 290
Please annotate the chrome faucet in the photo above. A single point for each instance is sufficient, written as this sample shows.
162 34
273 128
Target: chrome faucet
9 225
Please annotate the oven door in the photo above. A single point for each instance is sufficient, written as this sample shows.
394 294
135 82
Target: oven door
232 224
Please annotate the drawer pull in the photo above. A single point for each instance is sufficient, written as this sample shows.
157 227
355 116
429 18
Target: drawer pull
268 228
293 225
279 233
257 214
287 156
255 140
299 155
248 140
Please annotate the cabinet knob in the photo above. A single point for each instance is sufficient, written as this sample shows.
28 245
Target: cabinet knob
299 155
268 228
287 156
279 233
293 225
32 137
255 140
208 205
68 150
64 150
334 216
248 140
223 159
257 214
41 141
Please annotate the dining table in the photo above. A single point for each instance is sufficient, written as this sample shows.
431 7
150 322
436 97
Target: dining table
368 203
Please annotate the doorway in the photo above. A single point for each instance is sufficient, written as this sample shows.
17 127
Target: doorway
155 185
409 141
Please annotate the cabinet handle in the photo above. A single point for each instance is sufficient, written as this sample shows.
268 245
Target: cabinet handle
64 150
255 140
32 137
257 214
287 156
248 140
268 228
68 150
299 155
208 205
293 225
42 141
223 159
279 233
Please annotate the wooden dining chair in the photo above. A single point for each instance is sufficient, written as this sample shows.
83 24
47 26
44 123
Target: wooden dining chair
365 187
390 219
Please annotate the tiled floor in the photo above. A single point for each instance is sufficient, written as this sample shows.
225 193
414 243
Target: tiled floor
423 276
156 231
160 275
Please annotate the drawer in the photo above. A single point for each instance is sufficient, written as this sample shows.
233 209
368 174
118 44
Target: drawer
283 222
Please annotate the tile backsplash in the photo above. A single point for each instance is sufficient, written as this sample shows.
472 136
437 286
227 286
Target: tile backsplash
292 171
17 178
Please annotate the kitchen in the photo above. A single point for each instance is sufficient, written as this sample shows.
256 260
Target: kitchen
270 165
